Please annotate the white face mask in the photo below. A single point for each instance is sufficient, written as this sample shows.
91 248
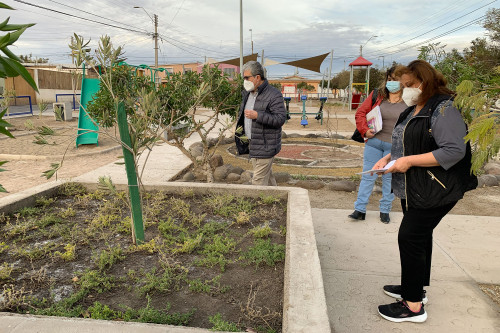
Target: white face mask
410 95
248 85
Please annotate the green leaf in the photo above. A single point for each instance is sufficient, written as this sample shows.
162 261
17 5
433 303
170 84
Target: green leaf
4 23
2 189
4 6
9 54
12 27
20 70
53 169
3 162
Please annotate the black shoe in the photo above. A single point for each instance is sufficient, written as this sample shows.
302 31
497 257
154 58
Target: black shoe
357 215
399 312
384 217
395 291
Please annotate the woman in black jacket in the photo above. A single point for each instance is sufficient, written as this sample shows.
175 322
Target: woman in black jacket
431 172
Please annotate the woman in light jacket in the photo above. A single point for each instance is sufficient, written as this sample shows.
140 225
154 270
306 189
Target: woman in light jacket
378 144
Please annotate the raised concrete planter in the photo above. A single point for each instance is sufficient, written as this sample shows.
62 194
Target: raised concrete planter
304 304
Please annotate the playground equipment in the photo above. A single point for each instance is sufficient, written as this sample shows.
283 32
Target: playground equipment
87 127
287 104
303 118
23 112
359 63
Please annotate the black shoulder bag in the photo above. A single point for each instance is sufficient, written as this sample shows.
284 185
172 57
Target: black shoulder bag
356 136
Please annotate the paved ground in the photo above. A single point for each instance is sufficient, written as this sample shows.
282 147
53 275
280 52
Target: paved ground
357 259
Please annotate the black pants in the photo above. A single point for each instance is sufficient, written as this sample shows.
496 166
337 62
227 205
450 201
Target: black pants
415 248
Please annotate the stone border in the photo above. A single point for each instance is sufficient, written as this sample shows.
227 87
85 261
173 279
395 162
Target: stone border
304 304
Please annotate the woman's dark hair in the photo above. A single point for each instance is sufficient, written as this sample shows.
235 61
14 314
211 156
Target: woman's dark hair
433 82
382 90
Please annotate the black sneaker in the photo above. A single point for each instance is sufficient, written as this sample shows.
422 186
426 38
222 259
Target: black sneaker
357 215
399 312
395 291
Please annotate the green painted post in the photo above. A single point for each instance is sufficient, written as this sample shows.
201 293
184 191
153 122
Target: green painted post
133 188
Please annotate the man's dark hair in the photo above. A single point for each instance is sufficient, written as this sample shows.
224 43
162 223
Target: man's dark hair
255 68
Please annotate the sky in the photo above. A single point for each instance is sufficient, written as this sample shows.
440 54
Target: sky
194 30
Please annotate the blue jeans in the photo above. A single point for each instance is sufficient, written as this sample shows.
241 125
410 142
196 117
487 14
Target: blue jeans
375 149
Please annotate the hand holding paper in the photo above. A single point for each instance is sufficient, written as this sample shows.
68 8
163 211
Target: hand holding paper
387 166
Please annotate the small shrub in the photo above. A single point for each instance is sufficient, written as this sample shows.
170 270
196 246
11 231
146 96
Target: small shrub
221 325
93 280
48 220
261 231
29 211
242 218
72 189
207 286
190 244
264 251
103 312
155 316
69 253
106 259
268 199
6 270
69 212
3 247
44 202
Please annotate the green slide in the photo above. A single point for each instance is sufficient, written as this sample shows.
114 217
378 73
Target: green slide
87 130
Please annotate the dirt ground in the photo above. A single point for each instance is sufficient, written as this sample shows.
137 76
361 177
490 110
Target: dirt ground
27 160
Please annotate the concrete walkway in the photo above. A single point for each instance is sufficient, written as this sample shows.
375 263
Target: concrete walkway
359 257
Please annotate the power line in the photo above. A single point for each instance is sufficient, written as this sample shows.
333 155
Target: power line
81 18
106 18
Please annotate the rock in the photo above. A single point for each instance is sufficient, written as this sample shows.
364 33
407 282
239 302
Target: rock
311 135
216 161
284 135
236 169
188 177
294 135
498 177
221 172
377 189
211 142
196 151
310 184
199 159
338 136
233 177
282 177
246 176
492 168
198 144
342 185
487 180
199 175
227 141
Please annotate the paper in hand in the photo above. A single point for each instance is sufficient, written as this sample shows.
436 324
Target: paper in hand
387 166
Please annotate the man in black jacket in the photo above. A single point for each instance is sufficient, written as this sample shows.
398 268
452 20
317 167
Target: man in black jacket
261 116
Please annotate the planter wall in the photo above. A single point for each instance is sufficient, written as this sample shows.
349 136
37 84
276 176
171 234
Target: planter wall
304 306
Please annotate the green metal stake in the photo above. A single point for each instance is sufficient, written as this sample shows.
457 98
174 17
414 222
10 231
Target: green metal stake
133 188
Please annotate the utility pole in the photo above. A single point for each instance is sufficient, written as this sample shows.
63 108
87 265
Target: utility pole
241 37
329 76
251 38
155 36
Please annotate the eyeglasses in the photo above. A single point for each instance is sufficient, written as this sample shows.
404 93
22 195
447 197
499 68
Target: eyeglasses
247 77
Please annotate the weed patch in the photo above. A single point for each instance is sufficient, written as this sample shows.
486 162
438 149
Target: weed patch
71 255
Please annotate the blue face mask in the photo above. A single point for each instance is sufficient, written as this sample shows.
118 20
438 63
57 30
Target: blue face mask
393 86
